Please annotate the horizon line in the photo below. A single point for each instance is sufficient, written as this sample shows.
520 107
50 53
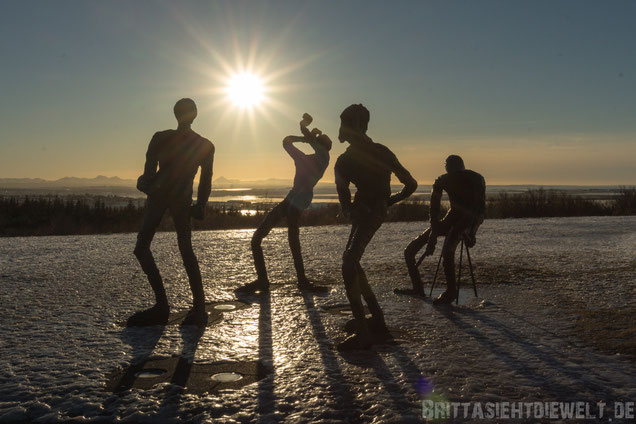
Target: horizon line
232 180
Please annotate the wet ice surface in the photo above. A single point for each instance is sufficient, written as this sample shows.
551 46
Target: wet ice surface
61 299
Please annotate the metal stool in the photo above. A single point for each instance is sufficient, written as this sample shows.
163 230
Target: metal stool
459 273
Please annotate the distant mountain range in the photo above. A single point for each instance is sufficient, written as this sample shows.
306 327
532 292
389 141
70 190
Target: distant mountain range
102 181
99 181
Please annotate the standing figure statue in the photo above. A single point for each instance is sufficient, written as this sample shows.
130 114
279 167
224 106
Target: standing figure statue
179 154
466 191
368 166
309 170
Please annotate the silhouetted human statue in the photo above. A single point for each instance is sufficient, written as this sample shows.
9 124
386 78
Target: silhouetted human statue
368 166
309 170
179 154
466 191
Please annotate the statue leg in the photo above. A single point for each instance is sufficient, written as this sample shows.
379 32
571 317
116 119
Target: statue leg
409 256
270 220
181 218
155 209
293 235
356 285
158 314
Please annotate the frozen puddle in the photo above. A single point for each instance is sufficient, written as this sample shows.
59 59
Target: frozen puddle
194 378
552 323
227 377
214 310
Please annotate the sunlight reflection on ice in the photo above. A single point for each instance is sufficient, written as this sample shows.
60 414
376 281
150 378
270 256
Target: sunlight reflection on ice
72 290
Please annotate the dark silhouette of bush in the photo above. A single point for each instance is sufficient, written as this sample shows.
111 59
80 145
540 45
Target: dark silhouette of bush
625 203
54 215
537 203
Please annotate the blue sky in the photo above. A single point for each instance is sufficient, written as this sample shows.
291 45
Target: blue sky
528 92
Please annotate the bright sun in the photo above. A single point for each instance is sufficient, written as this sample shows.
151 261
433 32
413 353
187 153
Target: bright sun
245 90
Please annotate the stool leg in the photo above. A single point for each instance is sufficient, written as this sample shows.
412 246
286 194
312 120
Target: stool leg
435 278
470 267
459 274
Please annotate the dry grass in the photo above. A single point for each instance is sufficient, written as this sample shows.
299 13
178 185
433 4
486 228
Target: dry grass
609 330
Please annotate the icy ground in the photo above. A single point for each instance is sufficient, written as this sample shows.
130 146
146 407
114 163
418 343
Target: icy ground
539 281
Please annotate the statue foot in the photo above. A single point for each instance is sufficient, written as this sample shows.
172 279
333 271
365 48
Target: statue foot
157 315
253 287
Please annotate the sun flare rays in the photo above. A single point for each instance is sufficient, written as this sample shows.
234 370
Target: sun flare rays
249 83
245 90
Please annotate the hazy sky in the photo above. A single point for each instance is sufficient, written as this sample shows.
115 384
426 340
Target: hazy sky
534 91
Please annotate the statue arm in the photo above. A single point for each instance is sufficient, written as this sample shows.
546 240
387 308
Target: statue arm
205 181
293 151
436 198
344 194
410 185
145 181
